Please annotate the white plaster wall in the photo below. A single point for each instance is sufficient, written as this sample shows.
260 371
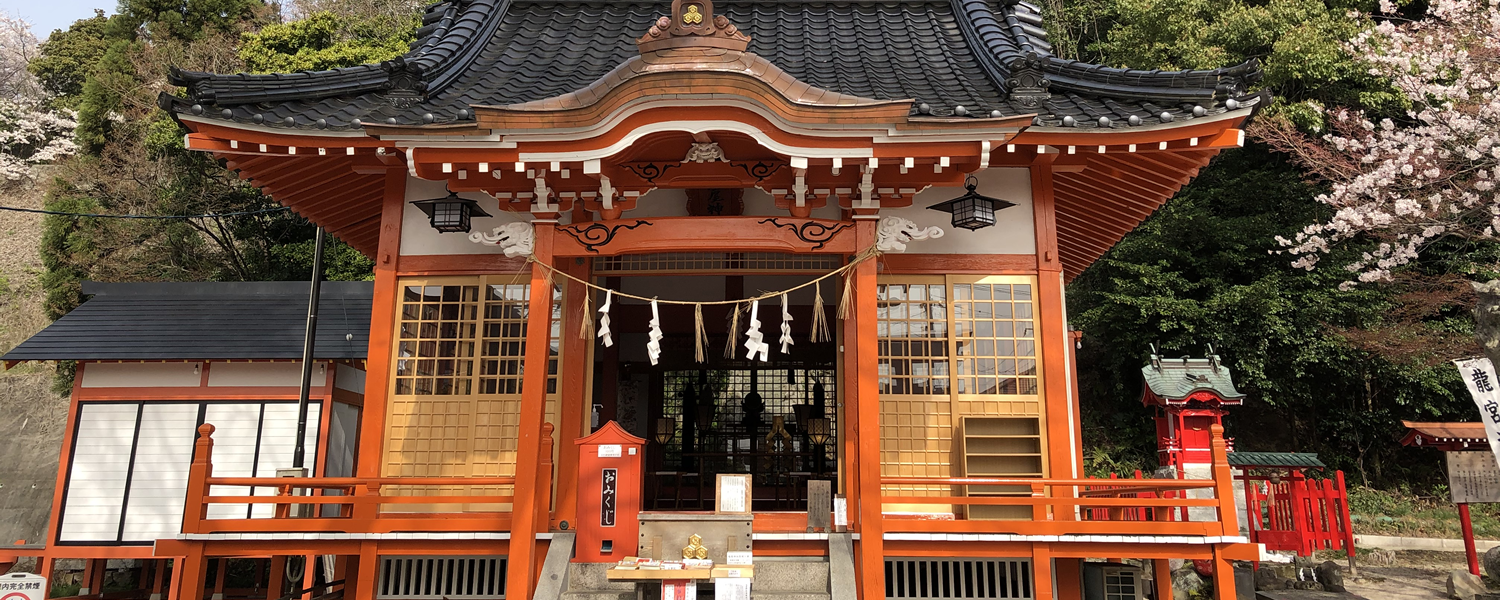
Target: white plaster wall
419 238
278 374
99 375
1013 233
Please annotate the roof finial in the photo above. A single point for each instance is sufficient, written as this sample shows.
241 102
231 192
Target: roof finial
692 24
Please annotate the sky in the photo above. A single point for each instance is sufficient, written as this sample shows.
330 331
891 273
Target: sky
47 15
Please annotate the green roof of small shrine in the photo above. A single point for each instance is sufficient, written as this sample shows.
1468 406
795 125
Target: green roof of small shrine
1175 379
1300 460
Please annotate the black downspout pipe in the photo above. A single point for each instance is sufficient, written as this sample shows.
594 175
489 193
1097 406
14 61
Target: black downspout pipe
307 351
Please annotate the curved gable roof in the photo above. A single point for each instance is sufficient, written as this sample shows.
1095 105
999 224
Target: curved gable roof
942 54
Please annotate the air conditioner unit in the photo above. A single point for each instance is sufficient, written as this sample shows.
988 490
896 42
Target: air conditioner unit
1112 581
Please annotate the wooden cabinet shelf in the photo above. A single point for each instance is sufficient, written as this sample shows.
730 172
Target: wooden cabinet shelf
1001 447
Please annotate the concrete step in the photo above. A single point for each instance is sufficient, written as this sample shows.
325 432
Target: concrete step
791 576
591 577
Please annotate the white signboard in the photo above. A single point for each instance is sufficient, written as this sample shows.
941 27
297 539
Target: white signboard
23 586
1479 375
840 511
1473 477
732 588
609 451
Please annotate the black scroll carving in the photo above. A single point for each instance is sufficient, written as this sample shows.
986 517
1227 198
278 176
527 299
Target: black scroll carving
596 235
812 232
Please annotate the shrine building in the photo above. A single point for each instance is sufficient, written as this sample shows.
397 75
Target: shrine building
785 275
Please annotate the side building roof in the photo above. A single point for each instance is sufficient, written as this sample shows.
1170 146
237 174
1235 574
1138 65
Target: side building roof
975 58
1176 380
205 321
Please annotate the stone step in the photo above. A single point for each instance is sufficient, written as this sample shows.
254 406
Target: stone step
791 576
616 595
754 595
592 577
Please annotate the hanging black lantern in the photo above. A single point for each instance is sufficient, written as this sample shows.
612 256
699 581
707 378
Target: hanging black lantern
972 210
450 214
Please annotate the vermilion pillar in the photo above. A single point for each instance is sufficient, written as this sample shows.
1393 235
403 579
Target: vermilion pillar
867 382
382 328
524 525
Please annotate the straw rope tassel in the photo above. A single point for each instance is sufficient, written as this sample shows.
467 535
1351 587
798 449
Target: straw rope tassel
734 332
586 326
848 293
819 318
700 335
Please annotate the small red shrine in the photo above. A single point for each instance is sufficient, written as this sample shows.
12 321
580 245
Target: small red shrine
1189 395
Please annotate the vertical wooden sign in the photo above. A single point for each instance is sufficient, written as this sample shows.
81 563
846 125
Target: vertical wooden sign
819 504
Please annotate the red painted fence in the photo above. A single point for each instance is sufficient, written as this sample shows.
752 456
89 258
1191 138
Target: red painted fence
1300 514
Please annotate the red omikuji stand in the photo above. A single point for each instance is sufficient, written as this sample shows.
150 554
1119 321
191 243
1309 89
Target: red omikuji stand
1452 437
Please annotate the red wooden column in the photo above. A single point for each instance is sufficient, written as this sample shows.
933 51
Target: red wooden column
1161 573
524 526
382 328
575 372
1041 571
221 568
1470 552
87 587
367 571
1069 578
1052 332
867 406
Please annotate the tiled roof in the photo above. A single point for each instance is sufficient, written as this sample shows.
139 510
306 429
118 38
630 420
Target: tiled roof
1174 379
1300 460
200 321
942 54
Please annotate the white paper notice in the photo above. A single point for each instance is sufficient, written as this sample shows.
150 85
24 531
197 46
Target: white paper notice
738 557
733 492
732 588
840 511
609 451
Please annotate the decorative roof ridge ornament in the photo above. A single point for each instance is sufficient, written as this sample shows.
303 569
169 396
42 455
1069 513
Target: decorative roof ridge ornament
693 24
1027 85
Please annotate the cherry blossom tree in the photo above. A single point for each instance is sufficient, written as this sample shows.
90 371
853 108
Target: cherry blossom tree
1430 176
29 133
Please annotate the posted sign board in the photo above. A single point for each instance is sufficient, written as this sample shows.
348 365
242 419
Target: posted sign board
23 586
1473 477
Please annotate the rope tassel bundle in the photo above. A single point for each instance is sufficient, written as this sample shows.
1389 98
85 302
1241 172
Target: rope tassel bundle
700 335
586 316
819 328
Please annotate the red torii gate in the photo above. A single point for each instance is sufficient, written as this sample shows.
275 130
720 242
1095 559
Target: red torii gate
1452 437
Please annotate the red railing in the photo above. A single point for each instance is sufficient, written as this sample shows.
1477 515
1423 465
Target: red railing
364 505
1299 514
1074 506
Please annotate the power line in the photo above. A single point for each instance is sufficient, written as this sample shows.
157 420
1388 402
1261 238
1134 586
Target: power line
157 217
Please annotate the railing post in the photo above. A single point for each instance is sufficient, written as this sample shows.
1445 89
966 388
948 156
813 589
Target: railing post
1039 508
544 481
1347 527
202 468
1223 482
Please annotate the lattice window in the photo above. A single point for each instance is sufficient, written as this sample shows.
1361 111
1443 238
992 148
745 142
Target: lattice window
912 324
716 262
720 401
995 339
455 407
435 355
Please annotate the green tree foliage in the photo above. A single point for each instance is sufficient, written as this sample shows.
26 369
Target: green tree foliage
325 40
132 159
68 56
1299 43
1198 273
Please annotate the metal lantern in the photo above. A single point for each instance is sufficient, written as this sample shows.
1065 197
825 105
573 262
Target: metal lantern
819 430
450 214
665 428
972 210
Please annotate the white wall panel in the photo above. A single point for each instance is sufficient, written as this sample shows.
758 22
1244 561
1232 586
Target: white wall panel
98 375
278 434
235 428
163 455
96 482
277 374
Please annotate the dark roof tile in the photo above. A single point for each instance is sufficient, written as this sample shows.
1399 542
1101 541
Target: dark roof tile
201 321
